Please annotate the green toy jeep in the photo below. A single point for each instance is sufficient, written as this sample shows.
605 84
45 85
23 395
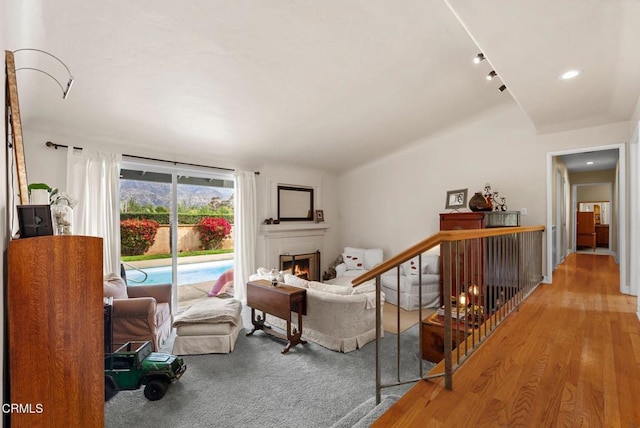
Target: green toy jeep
134 364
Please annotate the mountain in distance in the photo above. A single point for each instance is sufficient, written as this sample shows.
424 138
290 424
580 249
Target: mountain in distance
159 194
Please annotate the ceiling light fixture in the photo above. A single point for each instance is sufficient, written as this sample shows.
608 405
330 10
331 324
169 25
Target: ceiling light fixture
502 88
569 74
491 75
479 58
65 92
590 163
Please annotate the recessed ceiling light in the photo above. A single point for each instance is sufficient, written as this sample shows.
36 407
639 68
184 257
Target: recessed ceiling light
569 74
590 163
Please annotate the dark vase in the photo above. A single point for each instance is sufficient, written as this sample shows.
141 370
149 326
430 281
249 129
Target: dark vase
479 203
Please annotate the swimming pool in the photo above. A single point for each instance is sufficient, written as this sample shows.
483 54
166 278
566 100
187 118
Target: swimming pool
187 274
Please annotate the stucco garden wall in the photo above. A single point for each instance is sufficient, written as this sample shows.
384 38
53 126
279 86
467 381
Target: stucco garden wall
188 240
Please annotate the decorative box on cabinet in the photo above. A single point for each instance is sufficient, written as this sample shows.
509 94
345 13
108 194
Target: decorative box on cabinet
432 336
55 331
502 219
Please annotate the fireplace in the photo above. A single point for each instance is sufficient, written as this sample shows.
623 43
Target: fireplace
305 266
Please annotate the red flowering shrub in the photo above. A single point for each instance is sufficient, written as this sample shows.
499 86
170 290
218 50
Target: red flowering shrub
137 235
212 231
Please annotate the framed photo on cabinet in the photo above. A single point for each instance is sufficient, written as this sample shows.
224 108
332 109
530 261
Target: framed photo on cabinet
456 199
319 216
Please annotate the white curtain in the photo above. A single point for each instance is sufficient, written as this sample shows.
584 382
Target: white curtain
92 178
245 225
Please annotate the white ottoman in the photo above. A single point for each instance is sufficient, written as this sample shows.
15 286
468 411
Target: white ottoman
208 327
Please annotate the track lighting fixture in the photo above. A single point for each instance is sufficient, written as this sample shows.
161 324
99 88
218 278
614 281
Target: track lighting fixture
492 74
478 58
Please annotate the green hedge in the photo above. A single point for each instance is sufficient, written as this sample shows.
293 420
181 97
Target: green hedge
163 218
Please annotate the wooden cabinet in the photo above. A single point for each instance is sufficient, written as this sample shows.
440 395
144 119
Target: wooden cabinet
602 235
469 253
459 221
586 229
55 331
468 266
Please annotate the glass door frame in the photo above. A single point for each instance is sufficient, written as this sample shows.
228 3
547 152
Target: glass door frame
175 171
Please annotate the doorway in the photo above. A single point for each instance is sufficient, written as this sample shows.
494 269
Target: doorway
594 199
601 210
618 205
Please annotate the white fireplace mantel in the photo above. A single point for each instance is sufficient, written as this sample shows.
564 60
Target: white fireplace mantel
291 238
293 228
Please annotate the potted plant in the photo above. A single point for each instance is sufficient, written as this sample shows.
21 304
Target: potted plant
40 193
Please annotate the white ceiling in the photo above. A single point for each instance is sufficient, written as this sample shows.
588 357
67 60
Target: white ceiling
591 160
330 84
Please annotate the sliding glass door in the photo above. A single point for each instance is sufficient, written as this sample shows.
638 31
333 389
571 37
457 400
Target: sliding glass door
204 235
180 223
145 226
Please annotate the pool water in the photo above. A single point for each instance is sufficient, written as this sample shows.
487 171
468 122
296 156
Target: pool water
187 274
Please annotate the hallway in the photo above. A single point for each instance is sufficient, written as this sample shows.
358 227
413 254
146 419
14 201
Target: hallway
569 357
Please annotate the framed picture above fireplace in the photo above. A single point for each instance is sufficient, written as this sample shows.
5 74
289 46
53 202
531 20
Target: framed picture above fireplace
295 203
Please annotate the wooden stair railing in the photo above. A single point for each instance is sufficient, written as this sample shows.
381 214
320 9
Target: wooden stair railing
511 261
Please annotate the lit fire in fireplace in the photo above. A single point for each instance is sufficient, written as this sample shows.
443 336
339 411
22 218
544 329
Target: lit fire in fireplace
300 269
305 266
302 272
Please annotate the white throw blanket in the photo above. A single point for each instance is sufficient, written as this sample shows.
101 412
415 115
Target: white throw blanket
213 310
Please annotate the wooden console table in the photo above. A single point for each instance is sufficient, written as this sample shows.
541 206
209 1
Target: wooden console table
278 301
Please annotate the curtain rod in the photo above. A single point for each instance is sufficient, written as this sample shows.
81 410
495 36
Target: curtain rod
55 146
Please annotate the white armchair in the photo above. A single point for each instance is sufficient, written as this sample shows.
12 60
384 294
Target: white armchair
411 278
358 260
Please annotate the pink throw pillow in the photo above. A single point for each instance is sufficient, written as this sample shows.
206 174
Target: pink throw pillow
222 284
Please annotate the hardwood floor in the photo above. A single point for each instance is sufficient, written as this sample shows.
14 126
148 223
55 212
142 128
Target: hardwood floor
569 357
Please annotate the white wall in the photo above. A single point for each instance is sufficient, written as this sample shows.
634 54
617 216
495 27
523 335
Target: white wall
595 192
394 202
325 185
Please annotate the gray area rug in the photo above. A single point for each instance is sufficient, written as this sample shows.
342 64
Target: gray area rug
257 386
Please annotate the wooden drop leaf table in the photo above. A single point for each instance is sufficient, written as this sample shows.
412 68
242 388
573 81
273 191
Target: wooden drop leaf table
279 301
